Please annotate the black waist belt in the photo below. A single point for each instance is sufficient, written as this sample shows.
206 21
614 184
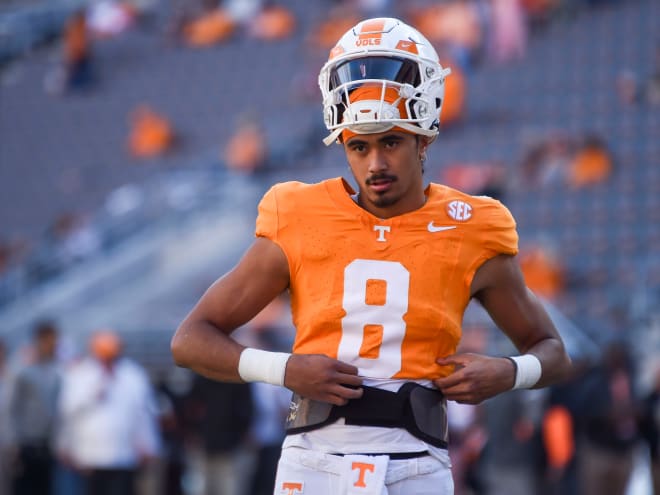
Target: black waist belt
421 411
396 456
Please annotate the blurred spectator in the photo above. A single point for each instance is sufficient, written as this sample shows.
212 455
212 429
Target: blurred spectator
487 179
468 438
560 159
513 452
609 422
340 18
559 444
627 87
242 10
304 86
652 87
592 163
13 252
246 151
508 38
375 8
540 12
546 161
151 133
543 270
32 397
75 238
455 26
173 390
211 28
223 414
273 22
5 256
182 12
109 18
77 52
71 238
107 413
562 431
650 428
76 72
466 426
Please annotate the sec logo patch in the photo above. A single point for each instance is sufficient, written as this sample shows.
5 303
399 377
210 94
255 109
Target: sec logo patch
459 210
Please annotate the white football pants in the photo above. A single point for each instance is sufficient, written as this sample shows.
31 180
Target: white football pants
306 472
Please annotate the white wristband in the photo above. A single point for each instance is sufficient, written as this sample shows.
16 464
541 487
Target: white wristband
256 365
528 370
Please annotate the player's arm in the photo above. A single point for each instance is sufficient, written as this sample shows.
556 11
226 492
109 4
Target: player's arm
500 287
204 344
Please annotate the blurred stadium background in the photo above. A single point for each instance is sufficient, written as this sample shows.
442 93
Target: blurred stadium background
122 196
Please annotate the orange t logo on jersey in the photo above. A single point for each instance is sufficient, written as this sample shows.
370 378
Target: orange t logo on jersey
289 488
363 467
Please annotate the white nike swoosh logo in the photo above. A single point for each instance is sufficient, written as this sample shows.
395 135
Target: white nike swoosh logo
433 228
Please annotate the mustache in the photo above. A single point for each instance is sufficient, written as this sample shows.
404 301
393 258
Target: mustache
376 177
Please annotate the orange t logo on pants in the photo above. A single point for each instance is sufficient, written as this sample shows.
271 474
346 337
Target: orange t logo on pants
291 488
363 467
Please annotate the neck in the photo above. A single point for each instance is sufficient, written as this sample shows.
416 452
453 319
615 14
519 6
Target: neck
400 207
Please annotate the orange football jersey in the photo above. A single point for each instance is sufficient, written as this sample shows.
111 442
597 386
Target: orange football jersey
387 296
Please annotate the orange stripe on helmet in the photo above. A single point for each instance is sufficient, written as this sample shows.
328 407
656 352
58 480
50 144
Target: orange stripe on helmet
371 32
373 28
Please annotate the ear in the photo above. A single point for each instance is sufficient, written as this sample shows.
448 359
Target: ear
423 143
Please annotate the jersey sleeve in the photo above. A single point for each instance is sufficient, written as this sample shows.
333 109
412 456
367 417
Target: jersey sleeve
501 235
278 218
267 223
496 234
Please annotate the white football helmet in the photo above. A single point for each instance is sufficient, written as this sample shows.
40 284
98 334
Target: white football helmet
403 66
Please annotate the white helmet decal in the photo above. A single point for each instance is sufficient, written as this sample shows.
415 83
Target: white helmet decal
402 82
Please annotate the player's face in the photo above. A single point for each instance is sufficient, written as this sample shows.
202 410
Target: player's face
388 170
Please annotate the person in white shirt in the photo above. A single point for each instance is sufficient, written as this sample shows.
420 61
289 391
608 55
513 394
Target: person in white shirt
107 418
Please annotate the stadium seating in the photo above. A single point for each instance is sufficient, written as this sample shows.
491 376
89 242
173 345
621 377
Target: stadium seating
67 153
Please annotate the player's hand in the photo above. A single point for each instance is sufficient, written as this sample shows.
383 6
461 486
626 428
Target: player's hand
319 377
475 377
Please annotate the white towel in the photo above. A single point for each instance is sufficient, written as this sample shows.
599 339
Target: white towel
364 475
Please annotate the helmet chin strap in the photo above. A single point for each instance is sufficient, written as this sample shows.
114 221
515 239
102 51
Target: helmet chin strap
332 137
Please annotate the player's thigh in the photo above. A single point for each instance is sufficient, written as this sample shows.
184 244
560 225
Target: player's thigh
439 482
294 478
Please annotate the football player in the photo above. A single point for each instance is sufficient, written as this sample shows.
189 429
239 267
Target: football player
379 279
